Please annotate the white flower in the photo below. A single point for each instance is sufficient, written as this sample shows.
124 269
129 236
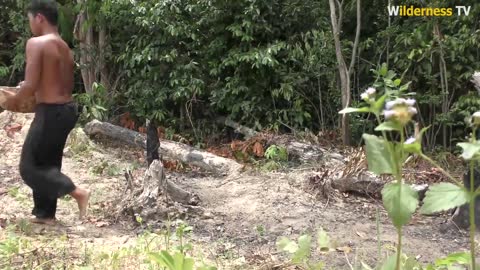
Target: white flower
412 110
369 95
476 80
371 91
390 105
410 102
476 118
389 114
410 140
402 110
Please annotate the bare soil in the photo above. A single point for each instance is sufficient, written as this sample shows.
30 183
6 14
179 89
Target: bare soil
242 217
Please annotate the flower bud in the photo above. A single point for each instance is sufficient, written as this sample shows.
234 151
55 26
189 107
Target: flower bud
476 119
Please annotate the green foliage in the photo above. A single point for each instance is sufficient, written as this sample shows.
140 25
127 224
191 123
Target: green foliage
175 262
4 71
385 157
400 201
444 196
230 58
150 251
300 250
276 153
95 104
376 147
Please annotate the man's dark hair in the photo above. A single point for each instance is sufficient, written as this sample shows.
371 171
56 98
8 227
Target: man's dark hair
48 8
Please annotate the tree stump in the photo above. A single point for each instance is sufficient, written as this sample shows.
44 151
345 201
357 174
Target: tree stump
146 201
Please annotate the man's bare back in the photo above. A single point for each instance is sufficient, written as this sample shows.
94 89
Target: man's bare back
56 81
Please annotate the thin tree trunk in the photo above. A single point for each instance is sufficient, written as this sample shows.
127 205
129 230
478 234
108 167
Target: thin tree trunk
153 143
102 47
322 119
343 73
85 39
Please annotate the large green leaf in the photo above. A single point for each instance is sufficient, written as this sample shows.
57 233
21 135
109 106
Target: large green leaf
400 200
442 197
378 157
470 150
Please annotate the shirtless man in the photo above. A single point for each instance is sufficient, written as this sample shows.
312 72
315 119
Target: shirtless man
48 76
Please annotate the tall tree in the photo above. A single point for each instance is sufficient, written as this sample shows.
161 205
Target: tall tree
345 72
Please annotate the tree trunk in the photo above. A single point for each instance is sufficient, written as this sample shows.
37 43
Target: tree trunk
85 38
102 47
343 72
153 143
173 150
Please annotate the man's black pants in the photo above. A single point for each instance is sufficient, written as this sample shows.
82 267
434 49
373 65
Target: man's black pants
42 153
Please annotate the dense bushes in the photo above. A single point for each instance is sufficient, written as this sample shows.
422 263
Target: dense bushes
266 64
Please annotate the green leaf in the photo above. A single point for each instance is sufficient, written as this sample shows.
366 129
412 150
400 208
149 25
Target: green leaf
378 105
416 147
352 110
163 258
388 126
404 87
323 241
442 197
182 263
287 245
397 82
400 201
303 252
389 263
460 258
378 157
470 150
383 70
411 55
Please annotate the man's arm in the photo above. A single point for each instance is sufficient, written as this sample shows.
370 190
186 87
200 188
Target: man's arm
32 70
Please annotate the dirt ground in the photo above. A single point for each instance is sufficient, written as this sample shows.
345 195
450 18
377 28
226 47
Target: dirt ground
243 217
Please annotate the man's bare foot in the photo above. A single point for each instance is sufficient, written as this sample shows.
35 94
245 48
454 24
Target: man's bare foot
45 221
81 196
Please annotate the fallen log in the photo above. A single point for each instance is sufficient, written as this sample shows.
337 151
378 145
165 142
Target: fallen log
170 149
304 152
362 184
246 131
